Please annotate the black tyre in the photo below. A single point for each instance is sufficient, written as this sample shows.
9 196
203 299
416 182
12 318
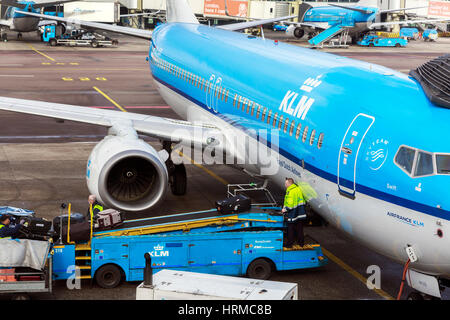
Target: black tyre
414 296
397 45
371 45
53 42
94 44
109 276
178 180
259 269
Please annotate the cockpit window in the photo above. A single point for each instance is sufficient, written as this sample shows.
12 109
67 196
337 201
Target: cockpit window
419 163
443 163
424 164
405 158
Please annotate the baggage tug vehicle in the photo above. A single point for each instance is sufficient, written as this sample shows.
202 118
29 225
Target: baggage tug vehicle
247 243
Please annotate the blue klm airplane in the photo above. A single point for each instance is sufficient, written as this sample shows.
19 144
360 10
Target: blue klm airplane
15 21
369 145
325 22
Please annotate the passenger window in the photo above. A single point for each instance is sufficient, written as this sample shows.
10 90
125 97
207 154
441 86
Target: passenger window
299 129
405 158
268 116
286 124
263 116
311 139
320 141
424 164
258 111
234 100
226 96
280 123
244 104
291 130
305 133
275 118
443 163
253 109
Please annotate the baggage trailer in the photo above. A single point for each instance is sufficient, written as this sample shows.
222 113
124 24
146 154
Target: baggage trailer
21 282
249 243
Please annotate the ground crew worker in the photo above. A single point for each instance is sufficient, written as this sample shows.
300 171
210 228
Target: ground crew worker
294 212
6 231
96 207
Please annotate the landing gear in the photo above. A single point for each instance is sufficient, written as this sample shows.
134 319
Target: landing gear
415 296
177 174
4 36
19 36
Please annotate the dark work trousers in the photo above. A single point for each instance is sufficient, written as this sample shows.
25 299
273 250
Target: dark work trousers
295 233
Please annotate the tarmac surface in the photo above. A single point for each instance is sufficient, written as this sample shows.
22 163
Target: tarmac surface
44 161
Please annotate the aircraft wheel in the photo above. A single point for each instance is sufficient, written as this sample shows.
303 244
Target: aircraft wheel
4 37
259 269
414 296
178 180
19 36
109 276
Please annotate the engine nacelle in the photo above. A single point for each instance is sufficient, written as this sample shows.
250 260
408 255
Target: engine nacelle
294 31
126 173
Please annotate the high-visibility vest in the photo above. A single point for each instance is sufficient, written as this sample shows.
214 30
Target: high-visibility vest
293 201
97 206
2 226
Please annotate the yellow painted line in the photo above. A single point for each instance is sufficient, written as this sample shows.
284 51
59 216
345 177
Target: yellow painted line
109 99
354 273
42 54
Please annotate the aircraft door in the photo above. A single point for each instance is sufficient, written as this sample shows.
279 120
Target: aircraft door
348 154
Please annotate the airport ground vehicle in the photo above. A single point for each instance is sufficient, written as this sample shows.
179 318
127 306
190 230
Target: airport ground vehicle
279 27
249 243
376 41
409 33
77 37
22 281
430 35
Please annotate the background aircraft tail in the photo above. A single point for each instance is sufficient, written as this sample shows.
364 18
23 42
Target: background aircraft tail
180 11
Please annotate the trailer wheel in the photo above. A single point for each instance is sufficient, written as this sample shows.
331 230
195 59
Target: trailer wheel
109 276
94 44
259 269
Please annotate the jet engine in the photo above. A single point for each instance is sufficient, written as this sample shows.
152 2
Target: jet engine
126 173
294 31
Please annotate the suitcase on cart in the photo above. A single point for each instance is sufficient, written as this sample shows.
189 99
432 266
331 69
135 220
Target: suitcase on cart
79 232
74 218
107 219
239 203
36 226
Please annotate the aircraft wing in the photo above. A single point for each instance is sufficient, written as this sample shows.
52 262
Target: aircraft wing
255 23
162 128
145 34
305 24
391 23
5 23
